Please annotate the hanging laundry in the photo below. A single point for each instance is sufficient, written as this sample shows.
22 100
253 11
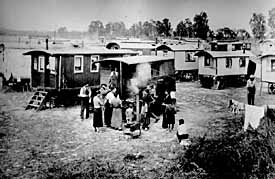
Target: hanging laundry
253 115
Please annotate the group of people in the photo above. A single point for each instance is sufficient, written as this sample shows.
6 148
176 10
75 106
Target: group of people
106 106
108 109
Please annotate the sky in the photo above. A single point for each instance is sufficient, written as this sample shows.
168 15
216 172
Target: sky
77 14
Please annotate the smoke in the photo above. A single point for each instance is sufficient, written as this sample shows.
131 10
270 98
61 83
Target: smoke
141 77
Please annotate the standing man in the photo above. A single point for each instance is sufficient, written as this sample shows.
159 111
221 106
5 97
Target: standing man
85 94
251 89
108 107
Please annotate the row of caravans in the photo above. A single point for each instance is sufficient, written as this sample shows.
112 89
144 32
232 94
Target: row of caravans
223 63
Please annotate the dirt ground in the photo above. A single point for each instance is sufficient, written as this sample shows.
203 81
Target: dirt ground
31 141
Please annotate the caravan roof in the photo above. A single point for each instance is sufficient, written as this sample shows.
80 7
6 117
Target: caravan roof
80 51
138 59
221 54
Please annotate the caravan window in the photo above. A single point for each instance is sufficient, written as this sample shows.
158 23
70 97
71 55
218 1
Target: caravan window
78 64
94 67
189 57
52 65
41 63
165 53
228 63
35 63
242 61
207 61
273 65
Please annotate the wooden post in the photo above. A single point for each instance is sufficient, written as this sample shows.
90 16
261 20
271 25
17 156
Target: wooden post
59 73
137 107
120 78
261 76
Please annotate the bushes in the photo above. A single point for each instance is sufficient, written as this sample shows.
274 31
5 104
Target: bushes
242 155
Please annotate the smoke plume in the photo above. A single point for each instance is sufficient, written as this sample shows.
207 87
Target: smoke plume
141 77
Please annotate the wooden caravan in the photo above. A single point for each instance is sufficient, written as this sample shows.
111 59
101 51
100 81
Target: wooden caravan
267 46
68 69
62 73
266 71
137 71
223 68
186 64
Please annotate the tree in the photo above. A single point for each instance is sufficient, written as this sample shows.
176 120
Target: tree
119 29
62 31
136 30
180 30
225 34
200 25
149 28
159 27
242 34
271 22
185 29
167 27
108 28
189 27
164 27
258 25
96 27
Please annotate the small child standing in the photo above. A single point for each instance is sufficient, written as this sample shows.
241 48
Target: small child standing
182 133
129 113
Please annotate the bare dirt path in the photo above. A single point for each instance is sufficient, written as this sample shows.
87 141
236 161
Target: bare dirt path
31 141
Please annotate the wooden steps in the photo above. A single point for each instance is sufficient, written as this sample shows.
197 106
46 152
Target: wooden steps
38 100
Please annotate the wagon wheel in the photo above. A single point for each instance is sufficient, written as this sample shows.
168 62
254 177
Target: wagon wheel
271 88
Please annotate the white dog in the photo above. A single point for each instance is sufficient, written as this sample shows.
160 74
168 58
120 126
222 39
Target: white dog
236 107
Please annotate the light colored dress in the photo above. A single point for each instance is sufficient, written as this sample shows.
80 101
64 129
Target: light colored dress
117 113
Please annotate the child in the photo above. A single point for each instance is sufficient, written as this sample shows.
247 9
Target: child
182 133
129 113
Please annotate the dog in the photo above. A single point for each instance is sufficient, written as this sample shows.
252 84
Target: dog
236 107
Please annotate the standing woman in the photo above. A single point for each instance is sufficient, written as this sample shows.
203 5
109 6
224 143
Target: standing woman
117 112
98 103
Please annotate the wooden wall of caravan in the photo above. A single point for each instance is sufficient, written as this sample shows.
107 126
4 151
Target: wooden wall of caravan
182 64
234 70
72 79
167 68
267 74
206 70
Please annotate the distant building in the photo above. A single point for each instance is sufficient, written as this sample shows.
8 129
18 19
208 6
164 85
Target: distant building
226 45
142 47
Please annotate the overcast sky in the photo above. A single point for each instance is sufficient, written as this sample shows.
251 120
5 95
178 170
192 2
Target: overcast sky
77 14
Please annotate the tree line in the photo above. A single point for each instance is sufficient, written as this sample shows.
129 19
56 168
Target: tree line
198 28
